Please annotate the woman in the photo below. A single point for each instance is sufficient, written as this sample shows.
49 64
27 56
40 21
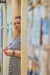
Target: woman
14 49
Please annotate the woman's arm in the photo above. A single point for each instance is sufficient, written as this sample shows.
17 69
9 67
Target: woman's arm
18 53
10 52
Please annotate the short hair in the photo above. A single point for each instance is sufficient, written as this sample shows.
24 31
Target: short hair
18 17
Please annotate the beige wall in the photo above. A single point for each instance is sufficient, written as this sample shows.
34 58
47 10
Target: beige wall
19 2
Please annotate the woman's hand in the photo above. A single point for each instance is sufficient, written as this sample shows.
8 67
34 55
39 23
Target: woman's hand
7 52
10 52
18 53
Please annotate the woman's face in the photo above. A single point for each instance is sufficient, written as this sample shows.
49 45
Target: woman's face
17 25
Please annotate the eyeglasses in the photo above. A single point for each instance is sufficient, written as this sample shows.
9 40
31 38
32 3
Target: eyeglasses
16 23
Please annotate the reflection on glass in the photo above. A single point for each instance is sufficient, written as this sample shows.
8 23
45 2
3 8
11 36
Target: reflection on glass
37 55
9 33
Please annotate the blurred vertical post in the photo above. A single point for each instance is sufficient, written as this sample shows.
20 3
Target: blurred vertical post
24 26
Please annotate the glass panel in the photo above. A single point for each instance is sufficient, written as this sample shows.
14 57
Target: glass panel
0 22
1 39
38 40
9 24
